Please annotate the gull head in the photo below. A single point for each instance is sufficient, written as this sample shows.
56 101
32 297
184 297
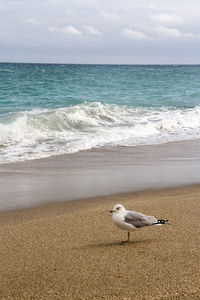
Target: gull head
118 208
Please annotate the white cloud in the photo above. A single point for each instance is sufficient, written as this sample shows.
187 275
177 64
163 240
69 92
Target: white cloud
168 32
32 21
110 16
91 30
134 34
189 35
167 19
71 30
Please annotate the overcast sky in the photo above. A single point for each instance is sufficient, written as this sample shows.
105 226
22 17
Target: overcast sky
100 31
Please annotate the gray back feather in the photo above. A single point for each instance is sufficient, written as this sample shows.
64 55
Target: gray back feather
139 220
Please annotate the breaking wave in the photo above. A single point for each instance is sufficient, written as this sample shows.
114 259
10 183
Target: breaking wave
42 133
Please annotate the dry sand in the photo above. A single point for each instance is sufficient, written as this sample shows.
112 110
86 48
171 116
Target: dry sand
71 250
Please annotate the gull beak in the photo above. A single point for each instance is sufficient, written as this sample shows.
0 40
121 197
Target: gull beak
111 211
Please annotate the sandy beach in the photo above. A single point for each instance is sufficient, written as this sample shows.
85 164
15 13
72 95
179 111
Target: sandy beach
71 250
56 248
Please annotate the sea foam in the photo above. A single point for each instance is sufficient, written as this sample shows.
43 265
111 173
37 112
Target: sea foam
41 133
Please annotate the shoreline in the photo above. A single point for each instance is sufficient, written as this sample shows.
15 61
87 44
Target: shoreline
71 250
98 172
57 208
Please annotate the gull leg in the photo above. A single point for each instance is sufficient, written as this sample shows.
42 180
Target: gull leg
126 242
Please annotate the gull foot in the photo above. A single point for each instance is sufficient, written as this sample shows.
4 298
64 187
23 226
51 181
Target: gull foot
124 242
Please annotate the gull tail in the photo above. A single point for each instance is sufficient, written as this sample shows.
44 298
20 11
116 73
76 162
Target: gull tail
160 222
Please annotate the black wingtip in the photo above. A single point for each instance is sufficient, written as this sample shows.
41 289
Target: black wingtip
162 221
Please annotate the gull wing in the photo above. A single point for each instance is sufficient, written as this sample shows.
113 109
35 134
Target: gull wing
139 220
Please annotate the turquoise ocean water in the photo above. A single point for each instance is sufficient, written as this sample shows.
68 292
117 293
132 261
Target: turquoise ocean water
55 109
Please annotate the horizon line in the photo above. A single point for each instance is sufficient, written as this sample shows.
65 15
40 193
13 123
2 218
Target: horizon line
105 64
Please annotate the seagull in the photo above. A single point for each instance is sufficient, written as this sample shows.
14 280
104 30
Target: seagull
132 220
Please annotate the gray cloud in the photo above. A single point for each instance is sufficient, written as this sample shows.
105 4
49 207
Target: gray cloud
100 31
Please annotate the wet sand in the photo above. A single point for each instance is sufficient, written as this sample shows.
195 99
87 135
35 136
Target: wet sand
71 250
98 172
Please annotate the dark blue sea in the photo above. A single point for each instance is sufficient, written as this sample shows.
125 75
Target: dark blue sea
52 109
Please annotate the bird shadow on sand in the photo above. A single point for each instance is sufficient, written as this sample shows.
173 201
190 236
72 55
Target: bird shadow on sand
114 244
